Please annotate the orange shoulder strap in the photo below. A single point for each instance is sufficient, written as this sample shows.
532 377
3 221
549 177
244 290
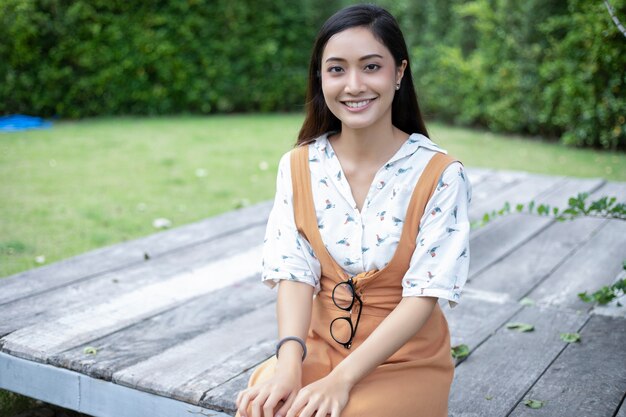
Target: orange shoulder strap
422 193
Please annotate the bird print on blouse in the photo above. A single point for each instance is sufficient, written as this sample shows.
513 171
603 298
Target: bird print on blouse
366 239
343 241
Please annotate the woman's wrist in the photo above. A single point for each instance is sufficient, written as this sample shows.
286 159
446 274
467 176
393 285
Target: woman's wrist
290 356
343 376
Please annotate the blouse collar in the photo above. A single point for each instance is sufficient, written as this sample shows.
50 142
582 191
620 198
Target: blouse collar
412 144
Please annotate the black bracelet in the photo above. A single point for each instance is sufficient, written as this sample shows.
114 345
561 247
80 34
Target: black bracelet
288 338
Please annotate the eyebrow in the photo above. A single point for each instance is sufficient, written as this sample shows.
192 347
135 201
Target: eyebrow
332 58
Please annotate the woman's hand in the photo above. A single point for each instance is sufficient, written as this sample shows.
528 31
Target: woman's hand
263 398
328 395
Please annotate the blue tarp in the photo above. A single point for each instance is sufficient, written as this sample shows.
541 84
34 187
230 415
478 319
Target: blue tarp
16 122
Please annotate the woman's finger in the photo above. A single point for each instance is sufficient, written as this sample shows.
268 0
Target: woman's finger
258 402
270 404
322 410
246 396
309 409
336 410
298 402
282 412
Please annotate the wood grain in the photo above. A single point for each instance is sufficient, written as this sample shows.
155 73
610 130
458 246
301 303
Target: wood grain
127 254
167 372
150 337
589 378
498 373
594 264
81 296
103 316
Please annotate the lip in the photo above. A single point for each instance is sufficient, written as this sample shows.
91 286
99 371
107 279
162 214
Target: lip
357 109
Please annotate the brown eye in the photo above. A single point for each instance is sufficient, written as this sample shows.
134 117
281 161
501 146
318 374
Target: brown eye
372 67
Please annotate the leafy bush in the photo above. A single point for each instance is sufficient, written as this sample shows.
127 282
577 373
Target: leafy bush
554 68
83 58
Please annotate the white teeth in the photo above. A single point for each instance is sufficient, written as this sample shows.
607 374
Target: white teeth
357 104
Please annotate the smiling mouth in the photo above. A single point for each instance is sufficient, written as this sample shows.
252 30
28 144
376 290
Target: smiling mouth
358 104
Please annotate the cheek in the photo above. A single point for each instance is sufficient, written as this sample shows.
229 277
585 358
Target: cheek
330 89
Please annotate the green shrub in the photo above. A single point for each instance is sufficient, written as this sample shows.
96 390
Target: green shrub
102 57
554 68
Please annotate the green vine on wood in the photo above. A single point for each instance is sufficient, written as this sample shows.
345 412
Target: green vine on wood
605 207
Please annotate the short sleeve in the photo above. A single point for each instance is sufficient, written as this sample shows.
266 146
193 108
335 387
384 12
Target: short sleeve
440 264
286 254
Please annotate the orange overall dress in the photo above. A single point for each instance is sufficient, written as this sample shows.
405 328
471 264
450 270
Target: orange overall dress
413 382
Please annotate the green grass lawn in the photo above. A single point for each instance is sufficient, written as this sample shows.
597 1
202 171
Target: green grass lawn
87 184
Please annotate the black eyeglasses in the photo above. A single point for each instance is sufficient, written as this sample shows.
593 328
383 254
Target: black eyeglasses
343 296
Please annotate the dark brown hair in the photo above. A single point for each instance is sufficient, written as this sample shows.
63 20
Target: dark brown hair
405 112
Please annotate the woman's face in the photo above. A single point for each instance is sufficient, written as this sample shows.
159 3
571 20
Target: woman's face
359 78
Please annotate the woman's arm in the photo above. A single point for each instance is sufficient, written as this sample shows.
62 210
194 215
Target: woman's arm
393 332
330 394
293 309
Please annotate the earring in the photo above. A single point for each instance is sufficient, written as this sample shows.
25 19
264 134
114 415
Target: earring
398 86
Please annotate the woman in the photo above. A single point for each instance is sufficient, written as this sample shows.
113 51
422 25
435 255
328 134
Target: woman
370 216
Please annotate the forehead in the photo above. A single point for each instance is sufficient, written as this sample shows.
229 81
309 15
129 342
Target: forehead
354 43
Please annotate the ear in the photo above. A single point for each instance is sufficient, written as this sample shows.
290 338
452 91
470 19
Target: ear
400 70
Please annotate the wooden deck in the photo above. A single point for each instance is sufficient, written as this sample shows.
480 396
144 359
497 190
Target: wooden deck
179 319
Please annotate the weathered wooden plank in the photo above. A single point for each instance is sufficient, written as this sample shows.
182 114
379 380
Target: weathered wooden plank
82 295
39 341
88 395
594 264
475 319
611 189
501 236
126 254
491 185
166 373
478 175
150 337
222 374
622 409
559 195
497 374
223 397
522 191
526 266
589 378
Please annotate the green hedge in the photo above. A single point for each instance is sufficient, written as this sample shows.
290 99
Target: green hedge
95 57
553 68
550 68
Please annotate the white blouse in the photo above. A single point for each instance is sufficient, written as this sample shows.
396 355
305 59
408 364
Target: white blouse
367 240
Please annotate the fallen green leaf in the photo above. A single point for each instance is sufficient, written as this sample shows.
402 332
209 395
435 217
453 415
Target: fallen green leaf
488 397
90 350
570 337
534 404
460 351
520 327
526 302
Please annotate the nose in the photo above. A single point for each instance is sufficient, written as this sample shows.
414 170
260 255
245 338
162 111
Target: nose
354 83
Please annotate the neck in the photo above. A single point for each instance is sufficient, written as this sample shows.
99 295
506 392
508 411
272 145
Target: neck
374 143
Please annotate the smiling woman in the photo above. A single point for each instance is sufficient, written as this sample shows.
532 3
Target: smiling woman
369 228
359 74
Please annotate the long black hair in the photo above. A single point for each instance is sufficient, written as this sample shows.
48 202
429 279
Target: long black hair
405 112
